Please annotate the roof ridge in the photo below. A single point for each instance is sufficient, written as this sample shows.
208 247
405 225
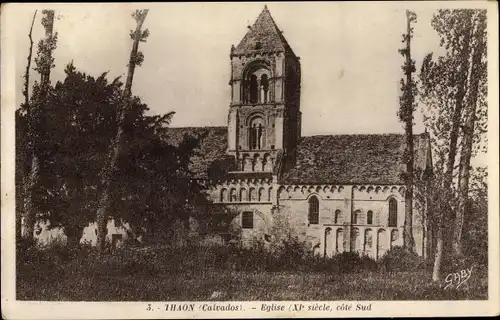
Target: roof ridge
360 134
196 127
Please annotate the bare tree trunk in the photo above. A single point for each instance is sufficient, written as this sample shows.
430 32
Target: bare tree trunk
430 219
28 65
26 190
436 271
468 132
408 240
48 24
30 211
111 166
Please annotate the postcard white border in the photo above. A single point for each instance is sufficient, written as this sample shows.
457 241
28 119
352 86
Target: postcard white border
12 309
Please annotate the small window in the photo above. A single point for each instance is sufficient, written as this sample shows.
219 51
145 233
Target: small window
393 213
356 219
258 45
338 216
252 195
262 194
243 194
369 217
254 89
232 195
247 220
223 195
313 210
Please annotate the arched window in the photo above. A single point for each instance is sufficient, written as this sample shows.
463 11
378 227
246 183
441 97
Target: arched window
313 210
394 237
256 133
261 194
247 163
316 251
232 195
368 241
256 84
381 243
254 89
223 195
355 241
340 241
243 194
252 195
268 163
338 216
264 83
356 219
369 217
393 213
328 242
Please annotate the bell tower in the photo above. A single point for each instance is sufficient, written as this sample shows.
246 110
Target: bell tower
264 112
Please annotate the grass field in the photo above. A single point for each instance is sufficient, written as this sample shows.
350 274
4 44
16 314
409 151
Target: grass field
247 286
174 276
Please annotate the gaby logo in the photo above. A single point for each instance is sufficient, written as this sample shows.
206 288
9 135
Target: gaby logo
458 278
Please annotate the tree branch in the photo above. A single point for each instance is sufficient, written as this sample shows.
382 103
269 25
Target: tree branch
27 74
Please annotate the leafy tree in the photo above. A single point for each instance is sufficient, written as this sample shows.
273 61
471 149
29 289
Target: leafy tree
152 186
110 168
33 107
475 239
447 93
77 116
476 100
159 188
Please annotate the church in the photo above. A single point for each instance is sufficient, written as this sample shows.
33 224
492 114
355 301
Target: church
335 192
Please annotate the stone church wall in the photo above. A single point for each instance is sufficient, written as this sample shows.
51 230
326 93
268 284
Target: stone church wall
262 222
117 233
338 205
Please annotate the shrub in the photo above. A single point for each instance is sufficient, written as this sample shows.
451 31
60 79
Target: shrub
345 262
368 264
290 255
400 259
351 262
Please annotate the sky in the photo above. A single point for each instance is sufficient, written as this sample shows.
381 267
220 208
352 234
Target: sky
351 67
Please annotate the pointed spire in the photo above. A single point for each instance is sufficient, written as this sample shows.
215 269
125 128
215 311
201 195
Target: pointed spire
263 36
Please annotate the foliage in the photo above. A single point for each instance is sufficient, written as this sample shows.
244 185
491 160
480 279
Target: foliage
34 108
345 262
476 219
398 259
442 87
453 92
79 121
111 166
158 273
408 87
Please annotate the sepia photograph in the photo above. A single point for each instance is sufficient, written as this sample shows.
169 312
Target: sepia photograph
240 158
